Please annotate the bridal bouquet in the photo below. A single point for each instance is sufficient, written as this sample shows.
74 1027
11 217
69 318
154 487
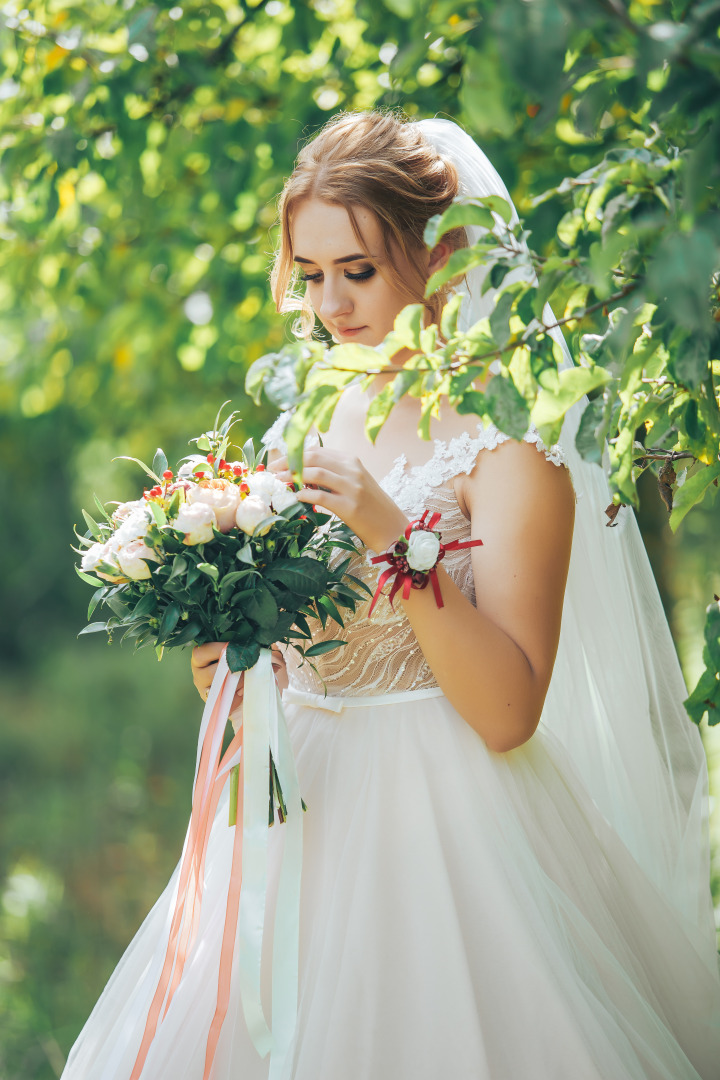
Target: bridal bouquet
217 551
222 550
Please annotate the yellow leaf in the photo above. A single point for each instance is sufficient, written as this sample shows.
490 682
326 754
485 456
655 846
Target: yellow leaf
66 194
55 57
123 357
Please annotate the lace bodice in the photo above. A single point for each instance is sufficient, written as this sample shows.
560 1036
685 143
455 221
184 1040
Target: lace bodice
382 654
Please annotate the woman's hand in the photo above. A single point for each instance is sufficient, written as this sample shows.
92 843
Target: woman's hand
340 483
204 663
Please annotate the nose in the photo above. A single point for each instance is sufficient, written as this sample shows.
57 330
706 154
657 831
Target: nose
336 300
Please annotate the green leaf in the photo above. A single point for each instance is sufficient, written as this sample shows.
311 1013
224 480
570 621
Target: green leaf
457 215
169 621
143 466
408 324
591 431
323 647
692 492
500 319
356 357
157 512
94 628
691 363
304 576
259 606
507 407
459 263
92 526
449 318
331 609
379 409
95 600
88 578
242 657
146 605
188 633
209 569
573 384
160 462
179 567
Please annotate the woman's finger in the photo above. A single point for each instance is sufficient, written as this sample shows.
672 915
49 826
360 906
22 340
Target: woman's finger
209 653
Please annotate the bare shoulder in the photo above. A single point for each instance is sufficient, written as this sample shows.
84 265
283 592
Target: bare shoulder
516 475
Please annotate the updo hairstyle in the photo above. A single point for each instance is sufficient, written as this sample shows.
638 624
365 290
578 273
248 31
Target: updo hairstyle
379 161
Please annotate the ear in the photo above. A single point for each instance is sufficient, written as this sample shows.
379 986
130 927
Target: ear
438 257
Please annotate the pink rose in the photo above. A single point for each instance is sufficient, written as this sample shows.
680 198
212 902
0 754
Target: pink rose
222 496
196 521
132 558
250 512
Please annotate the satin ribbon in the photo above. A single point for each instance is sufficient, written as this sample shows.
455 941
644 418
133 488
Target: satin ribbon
263 728
415 579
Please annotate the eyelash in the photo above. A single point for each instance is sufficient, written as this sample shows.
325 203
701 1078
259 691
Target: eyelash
363 276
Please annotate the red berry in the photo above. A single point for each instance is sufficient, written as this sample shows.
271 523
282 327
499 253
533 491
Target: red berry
199 475
244 488
167 475
259 468
222 465
237 470
210 459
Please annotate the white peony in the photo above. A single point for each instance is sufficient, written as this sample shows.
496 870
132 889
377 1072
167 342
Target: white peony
250 512
264 485
132 558
423 550
134 525
99 555
185 471
222 495
282 499
123 510
196 520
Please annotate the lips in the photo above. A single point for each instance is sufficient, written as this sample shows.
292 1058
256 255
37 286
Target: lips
349 331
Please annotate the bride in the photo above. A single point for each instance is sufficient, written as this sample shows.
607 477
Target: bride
505 869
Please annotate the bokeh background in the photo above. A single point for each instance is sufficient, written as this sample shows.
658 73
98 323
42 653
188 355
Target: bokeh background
142 148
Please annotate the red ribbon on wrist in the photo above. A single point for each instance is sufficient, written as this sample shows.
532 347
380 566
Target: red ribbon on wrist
405 577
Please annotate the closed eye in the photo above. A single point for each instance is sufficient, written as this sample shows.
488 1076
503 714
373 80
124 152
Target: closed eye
362 276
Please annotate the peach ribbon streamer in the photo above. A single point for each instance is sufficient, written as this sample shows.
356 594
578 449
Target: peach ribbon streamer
263 728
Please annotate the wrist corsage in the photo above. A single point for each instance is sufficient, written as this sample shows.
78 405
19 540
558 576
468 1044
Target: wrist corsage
413 559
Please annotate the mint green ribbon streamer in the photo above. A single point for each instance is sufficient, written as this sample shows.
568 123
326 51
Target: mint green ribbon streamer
265 727
253 892
286 942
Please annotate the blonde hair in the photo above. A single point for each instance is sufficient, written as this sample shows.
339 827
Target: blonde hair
379 161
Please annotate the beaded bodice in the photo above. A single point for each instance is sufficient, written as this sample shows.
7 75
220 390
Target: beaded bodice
382 654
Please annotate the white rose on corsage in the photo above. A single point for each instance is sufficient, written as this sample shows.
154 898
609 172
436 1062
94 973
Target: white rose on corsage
132 558
222 495
196 520
251 511
423 550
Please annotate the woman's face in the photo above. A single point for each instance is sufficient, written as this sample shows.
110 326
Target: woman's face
353 300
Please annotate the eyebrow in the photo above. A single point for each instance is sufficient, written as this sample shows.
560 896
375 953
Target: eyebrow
336 262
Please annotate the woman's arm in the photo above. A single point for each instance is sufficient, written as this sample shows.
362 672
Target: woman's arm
493 660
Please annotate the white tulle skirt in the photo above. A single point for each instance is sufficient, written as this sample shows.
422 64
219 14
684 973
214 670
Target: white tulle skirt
464 914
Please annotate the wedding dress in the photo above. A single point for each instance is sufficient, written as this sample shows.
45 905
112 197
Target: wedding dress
463 913
542 914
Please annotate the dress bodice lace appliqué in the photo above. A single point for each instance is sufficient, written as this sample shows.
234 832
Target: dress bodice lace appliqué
382 654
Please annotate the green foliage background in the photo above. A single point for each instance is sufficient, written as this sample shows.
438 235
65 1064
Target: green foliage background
141 151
